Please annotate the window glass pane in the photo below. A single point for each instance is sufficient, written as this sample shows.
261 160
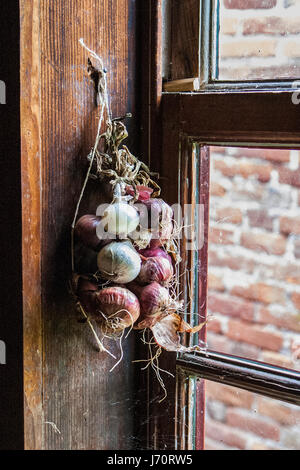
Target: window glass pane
240 420
254 254
259 39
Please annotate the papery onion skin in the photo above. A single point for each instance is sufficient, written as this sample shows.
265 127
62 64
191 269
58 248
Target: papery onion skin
143 192
152 252
116 303
120 218
158 269
154 298
119 262
165 332
156 215
140 238
156 243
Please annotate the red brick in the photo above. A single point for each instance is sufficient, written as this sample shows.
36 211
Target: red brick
272 155
218 149
261 292
228 26
215 283
228 395
256 335
297 249
220 236
247 4
291 48
283 414
245 350
259 426
296 300
210 444
291 177
217 189
269 243
214 326
261 446
260 218
229 215
290 225
295 349
285 320
256 193
233 262
277 359
288 273
230 306
224 434
271 25
219 343
257 73
244 169
248 48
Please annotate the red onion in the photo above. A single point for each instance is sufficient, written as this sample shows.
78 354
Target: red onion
155 243
158 269
155 303
120 307
154 299
113 308
86 291
143 192
86 231
152 252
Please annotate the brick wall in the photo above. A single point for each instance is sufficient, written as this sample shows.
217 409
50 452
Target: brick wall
254 288
259 39
254 254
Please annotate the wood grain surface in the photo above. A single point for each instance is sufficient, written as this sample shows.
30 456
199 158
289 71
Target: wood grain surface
72 400
185 16
11 327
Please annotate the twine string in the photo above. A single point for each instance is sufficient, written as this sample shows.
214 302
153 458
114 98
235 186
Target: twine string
104 105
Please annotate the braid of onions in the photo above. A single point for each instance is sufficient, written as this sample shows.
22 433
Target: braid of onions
123 271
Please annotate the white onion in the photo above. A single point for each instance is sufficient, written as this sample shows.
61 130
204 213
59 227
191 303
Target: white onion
119 262
120 218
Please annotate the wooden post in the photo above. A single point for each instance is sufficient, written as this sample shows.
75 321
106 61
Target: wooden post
11 372
71 399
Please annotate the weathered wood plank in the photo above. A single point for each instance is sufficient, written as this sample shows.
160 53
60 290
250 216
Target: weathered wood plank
185 24
255 117
11 373
31 207
89 408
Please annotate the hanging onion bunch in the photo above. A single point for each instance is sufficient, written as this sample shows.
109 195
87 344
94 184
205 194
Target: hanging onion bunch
156 225
113 308
123 274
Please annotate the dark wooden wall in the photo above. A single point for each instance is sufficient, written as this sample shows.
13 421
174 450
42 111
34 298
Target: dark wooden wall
66 381
11 383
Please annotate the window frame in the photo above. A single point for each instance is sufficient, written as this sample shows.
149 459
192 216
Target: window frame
261 116
203 59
